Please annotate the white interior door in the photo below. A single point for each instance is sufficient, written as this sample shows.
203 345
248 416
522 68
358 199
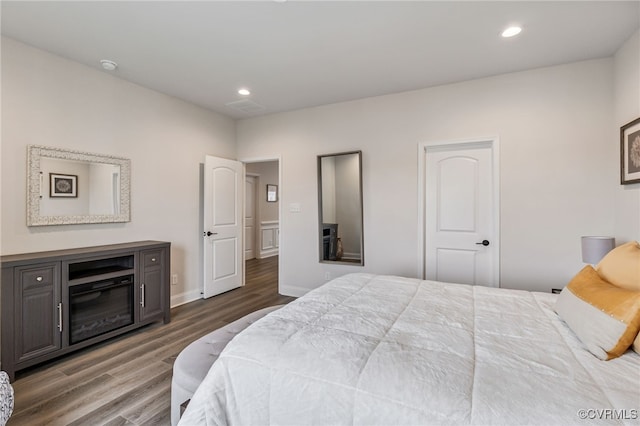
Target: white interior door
249 217
461 232
223 225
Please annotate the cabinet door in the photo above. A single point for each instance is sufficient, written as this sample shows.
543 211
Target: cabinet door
152 283
38 311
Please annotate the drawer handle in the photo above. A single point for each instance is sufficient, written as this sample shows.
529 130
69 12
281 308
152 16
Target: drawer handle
38 279
153 259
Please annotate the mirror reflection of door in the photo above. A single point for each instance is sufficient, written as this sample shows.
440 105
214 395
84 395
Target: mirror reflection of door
340 207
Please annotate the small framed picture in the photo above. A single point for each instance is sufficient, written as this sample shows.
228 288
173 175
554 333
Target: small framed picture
272 193
630 152
63 185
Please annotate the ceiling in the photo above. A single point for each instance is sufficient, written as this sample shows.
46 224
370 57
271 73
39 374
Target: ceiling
300 54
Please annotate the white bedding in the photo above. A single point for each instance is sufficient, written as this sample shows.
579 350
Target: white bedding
366 349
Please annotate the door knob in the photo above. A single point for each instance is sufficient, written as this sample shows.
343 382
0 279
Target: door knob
483 243
209 233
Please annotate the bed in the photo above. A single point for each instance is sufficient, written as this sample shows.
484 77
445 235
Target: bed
367 349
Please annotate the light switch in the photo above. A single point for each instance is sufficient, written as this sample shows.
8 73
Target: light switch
294 207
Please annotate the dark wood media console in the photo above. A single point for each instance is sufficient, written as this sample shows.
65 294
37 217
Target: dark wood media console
56 302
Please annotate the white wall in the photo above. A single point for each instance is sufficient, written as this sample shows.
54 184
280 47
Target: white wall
557 161
627 108
48 100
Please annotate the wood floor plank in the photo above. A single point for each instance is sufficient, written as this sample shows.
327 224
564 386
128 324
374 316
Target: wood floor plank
115 406
49 410
103 404
162 417
148 408
118 421
127 380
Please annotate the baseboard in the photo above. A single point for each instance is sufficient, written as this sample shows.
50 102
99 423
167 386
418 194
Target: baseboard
181 299
293 291
268 253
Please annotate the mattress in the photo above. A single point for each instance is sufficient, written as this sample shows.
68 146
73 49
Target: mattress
366 349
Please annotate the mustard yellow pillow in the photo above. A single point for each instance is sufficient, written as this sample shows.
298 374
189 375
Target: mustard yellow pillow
621 266
604 317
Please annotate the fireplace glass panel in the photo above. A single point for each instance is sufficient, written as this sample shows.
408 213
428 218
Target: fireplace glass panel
100 307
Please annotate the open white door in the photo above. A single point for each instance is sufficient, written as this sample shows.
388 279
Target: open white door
461 214
223 198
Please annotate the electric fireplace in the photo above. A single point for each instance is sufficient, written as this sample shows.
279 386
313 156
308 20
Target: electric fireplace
99 307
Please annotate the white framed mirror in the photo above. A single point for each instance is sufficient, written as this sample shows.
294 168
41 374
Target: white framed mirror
340 208
72 187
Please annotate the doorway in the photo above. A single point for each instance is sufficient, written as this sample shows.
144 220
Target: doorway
228 235
459 212
262 216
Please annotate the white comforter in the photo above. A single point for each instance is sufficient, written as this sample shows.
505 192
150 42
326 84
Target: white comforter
366 349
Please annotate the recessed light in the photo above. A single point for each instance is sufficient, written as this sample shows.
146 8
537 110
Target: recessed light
108 65
511 31
244 92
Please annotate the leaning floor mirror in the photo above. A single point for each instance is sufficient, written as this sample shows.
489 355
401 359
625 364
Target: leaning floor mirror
72 187
340 208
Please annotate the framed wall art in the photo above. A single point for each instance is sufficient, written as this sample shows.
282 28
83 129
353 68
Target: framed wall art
63 185
630 152
272 193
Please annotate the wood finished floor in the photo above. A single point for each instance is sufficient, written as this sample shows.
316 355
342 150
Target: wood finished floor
127 380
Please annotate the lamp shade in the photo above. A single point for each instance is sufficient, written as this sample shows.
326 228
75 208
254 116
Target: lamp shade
595 248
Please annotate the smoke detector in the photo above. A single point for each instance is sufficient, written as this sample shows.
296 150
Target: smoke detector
108 65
